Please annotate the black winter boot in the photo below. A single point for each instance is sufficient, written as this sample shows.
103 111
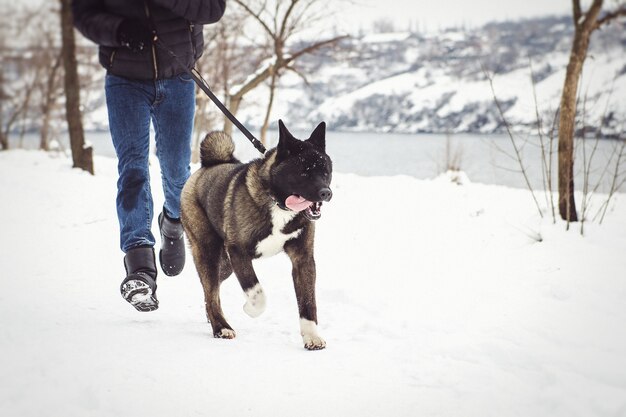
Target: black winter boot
172 254
139 286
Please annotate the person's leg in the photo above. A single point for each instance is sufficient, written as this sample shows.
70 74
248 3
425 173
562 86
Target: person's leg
173 114
128 105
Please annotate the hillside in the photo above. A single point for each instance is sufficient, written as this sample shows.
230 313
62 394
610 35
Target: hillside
408 82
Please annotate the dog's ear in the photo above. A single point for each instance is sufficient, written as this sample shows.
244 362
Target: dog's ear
318 137
285 138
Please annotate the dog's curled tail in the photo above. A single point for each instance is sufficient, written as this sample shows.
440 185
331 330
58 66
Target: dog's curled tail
216 148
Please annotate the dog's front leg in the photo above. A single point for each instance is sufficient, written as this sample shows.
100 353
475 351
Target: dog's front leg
300 252
242 266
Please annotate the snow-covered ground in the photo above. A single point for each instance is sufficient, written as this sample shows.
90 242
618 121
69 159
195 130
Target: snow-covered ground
435 299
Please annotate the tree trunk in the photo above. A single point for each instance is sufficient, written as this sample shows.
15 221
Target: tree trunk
82 155
584 25
567 121
48 104
270 103
4 141
233 107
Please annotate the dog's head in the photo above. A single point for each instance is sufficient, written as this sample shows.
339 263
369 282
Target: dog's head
301 174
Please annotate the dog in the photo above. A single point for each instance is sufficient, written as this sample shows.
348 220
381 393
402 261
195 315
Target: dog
235 212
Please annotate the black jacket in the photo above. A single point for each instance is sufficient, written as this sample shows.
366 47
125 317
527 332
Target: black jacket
178 24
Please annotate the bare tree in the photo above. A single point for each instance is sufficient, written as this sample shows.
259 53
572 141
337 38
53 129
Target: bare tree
546 148
47 59
18 74
227 58
4 96
48 102
383 25
4 139
518 153
453 155
618 178
585 23
82 155
279 20
14 105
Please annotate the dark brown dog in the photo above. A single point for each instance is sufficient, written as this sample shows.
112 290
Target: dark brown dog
233 213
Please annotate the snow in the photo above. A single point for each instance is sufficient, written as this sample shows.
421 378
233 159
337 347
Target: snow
386 37
434 299
263 66
414 83
435 91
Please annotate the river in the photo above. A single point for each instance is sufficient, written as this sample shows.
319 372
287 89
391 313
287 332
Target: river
484 158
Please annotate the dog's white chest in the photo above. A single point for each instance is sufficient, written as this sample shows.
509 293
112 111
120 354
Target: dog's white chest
274 243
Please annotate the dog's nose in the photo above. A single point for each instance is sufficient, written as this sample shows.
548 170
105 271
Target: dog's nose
325 194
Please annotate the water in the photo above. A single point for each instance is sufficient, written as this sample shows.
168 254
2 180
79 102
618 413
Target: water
484 158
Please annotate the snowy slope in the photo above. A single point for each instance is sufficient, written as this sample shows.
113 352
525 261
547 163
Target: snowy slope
435 99
433 298
401 82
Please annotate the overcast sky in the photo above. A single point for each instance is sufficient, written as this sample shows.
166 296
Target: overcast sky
435 14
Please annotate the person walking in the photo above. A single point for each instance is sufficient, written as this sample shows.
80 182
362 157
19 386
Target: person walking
145 84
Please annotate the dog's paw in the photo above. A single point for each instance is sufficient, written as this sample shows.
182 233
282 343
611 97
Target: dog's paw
313 342
225 334
256 301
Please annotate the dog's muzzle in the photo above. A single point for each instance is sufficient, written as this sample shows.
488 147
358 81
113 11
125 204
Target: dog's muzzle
325 194
310 209
313 212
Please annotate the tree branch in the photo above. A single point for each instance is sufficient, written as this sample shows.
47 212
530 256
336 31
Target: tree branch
252 82
518 154
256 16
297 22
610 16
261 76
299 74
313 47
293 4
577 11
589 21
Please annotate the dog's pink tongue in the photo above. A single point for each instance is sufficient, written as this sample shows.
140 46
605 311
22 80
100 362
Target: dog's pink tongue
297 203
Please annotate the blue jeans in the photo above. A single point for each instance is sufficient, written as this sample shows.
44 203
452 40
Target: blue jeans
132 104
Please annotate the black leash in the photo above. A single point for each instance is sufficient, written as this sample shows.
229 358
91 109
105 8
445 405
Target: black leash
205 87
